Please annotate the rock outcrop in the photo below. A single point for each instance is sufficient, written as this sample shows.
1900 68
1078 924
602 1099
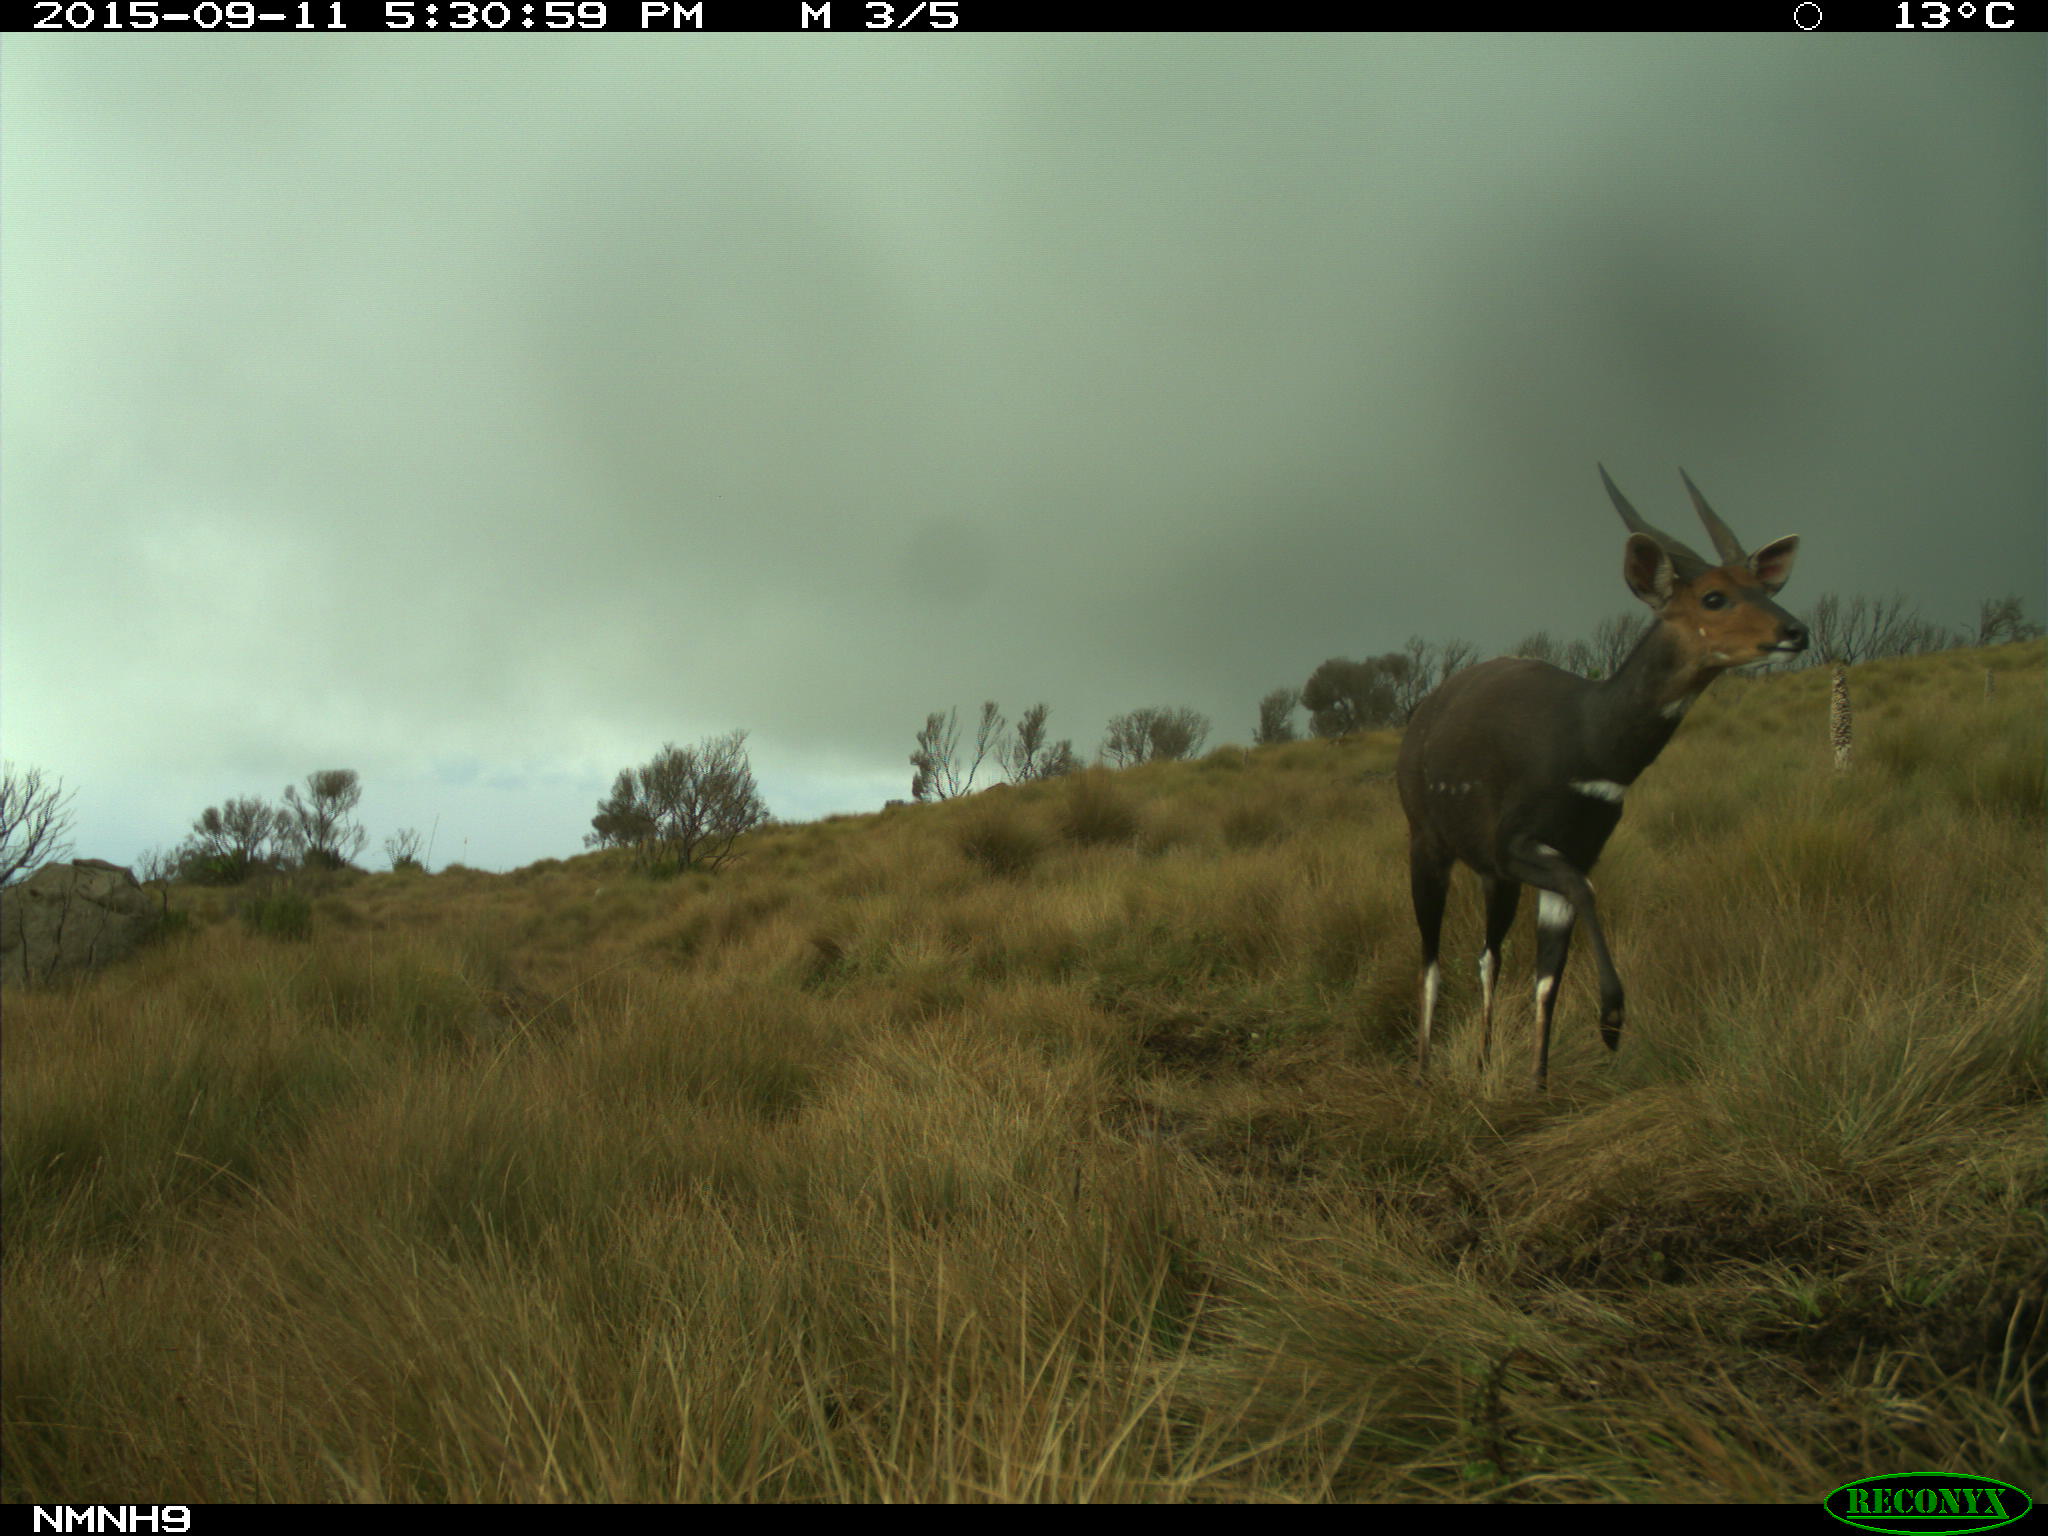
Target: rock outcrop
67 918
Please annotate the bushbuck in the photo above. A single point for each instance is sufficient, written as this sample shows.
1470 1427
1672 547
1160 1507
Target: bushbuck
1518 769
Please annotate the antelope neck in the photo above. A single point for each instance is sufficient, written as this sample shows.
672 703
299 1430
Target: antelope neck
1631 715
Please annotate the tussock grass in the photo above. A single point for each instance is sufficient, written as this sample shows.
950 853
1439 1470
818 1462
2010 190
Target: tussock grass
1059 1144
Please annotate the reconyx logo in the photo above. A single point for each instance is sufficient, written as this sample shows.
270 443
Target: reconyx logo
1949 1503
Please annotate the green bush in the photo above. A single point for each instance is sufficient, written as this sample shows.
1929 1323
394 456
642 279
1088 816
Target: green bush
213 869
281 915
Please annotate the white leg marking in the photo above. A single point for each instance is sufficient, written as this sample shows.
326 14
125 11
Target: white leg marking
1676 709
1544 986
1552 911
1486 979
1601 789
1546 848
1429 979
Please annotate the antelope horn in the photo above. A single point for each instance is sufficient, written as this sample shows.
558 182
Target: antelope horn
1688 562
1730 547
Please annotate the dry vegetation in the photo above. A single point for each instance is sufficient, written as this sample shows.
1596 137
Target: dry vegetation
1058 1143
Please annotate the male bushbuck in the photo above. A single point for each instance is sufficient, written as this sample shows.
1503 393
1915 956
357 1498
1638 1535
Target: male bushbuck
1518 769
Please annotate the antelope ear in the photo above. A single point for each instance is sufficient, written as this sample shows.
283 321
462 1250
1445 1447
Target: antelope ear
1647 570
1772 564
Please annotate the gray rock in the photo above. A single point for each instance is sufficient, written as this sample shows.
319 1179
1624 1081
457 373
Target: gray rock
71 917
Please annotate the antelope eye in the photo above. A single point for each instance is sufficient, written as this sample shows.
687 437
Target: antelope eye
1714 600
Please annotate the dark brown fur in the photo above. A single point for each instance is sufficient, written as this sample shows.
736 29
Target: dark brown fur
1515 768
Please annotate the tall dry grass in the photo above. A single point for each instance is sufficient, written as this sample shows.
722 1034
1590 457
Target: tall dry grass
1058 1144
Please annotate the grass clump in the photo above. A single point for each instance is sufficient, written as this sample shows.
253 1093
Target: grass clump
1096 813
1001 843
281 914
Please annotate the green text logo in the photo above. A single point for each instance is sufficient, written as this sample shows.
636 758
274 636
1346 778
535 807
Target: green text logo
1935 1503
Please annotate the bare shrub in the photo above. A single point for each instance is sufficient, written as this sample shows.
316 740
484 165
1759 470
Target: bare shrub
1455 656
402 848
684 809
1276 717
937 774
231 841
35 820
318 827
155 865
1027 756
1857 630
1613 638
1154 735
2000 619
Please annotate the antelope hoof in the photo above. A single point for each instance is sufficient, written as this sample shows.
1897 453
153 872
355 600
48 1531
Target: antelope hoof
1610 1028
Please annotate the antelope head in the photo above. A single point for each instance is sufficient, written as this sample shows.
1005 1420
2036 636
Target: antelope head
1721 615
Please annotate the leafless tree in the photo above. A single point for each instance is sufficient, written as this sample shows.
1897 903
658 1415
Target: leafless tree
1150 734
1062 761
988 736
1026 755
931 761
684 809
1454 656
156 864
1276 717
1128 739
1419 679
1824 630
1539 646
2000 619
937 774
228 840
402 848
1578 657
1922 637
318 827
1859 629
1613 638
35 820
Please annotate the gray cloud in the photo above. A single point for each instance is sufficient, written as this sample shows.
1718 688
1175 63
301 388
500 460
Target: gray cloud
481 416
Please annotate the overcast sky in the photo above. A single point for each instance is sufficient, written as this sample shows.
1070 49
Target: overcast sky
481 413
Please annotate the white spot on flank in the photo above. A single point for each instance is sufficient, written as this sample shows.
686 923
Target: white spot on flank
1676 709
1546 848
1552 911
1601 789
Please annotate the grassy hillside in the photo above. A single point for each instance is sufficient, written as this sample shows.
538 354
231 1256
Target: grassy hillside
1059 1143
